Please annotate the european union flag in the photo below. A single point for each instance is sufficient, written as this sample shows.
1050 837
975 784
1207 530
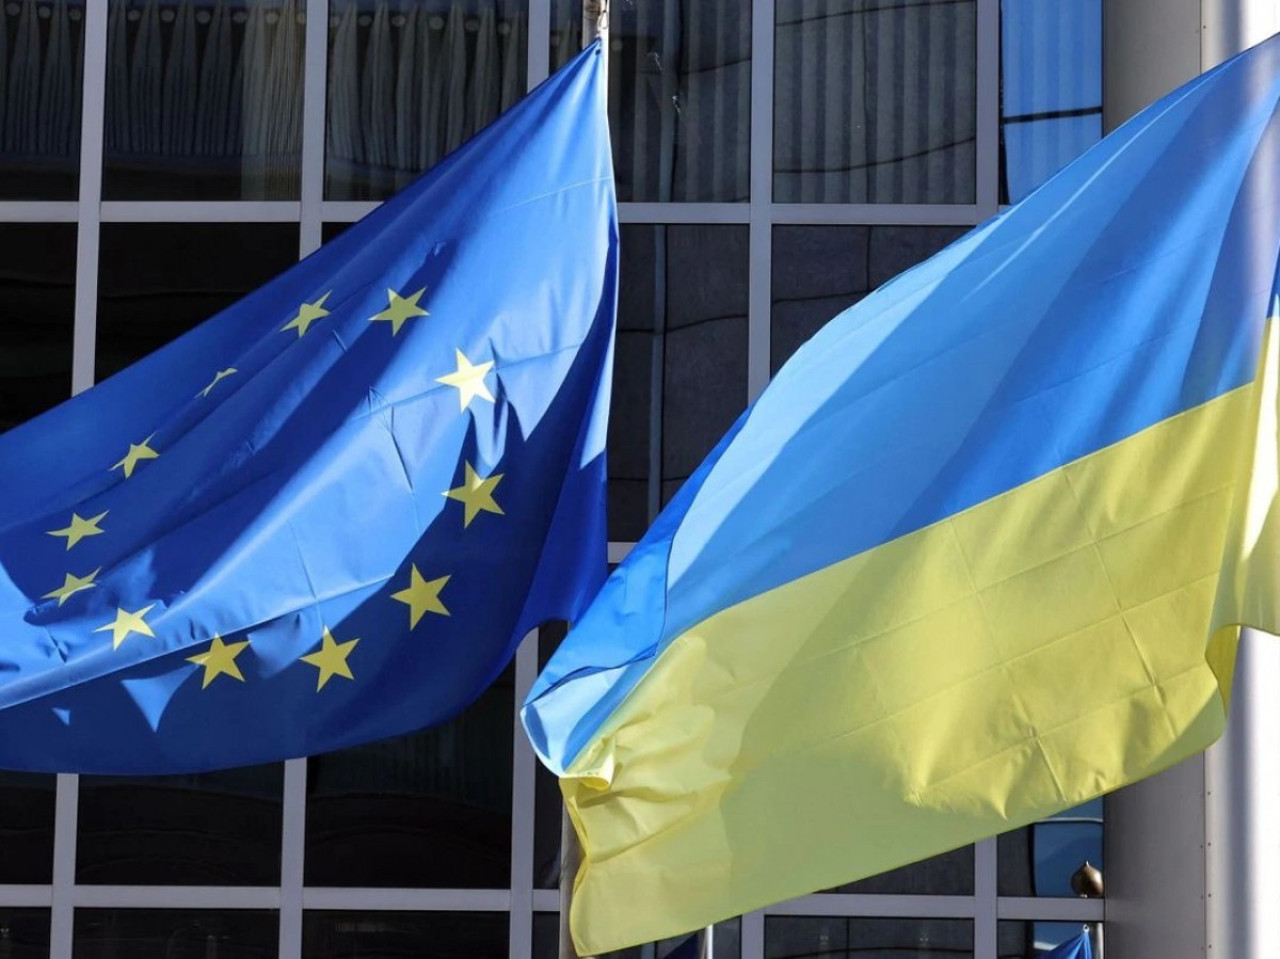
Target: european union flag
328 514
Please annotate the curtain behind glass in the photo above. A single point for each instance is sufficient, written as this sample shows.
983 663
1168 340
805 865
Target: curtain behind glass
411 81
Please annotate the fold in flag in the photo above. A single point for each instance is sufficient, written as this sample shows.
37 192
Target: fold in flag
1078 947
328 514
978 554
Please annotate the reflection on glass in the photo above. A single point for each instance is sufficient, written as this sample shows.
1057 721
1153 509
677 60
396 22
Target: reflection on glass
41 77
206 829
679 95
1051 89
725 942
203 99
37 306
411 81
26 829
175 934
432 809
1039 860
950 874
796 937
158 280
391 935
24 933
875 102
1033 940
819 271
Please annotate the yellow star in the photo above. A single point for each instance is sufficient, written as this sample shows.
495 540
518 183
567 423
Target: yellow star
218 378
137 451
220 660
476 495
308 313
422 596
331 659
401 309
469 379
80 528
126 623
72 585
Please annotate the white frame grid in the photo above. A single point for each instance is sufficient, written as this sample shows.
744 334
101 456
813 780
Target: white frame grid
985 907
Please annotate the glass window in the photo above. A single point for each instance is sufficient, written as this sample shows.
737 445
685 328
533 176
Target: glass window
1040 859
1032 940
24 933
392 935
679 95
411 81
175 934
158 280
875 103
1050 91
208 829
203 100
950 874
432 809
41 67
819 271
797 937
725 942
37 308
26 830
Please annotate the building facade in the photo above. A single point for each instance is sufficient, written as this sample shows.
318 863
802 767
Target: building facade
776 160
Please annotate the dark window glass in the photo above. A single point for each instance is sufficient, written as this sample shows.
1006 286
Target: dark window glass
680 372
41 77
679 95
725 942
796 937
1033 940
402 935
158 280
1050 90
175 934
410 82
24 933
875 102
203 100
950 874
37 306
210 829
548 808
818 271
1040 859
432 809
26 830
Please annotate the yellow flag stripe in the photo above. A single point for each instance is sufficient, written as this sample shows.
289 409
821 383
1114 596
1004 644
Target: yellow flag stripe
1011 661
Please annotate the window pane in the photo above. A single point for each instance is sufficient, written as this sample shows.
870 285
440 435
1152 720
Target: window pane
207 829
1040 859
24 933
410 82
432 809
37 305
158 280
26 830
175 934
41 67
875 103
818 271
950 874
787 937
1050 91
1031 940
203 100
391 935
679 96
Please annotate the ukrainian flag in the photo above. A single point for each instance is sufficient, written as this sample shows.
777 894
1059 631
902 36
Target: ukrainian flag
980 553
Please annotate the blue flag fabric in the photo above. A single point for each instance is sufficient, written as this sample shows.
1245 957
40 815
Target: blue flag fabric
328 514
1078 947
